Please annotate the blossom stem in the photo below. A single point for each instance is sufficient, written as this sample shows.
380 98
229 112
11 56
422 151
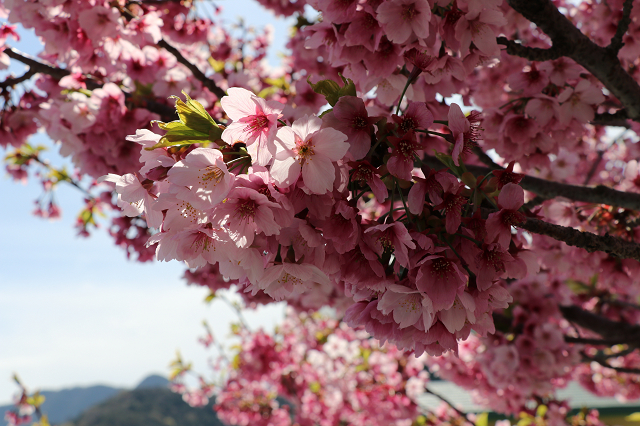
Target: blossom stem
406 86
431 132
406 209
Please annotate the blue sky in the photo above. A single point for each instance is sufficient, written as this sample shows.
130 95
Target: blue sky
74 311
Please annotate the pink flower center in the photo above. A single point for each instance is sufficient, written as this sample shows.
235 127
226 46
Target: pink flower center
305 151
387 243
258 123
363 174
408 123
359 122
409 12
441 267
405 149
246 209
511 217
211 174
201 243
289 279
410 304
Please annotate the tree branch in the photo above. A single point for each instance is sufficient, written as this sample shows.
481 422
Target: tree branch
548 189
443 399
618 119
595 341
602 62
616 41
12 81
166 112
531 53
604 363
590 242
612 331
206 81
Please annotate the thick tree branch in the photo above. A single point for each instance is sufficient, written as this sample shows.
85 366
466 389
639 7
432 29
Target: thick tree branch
618 119
530 53
547 189
612 331
206 81
602 62
616 41
590 242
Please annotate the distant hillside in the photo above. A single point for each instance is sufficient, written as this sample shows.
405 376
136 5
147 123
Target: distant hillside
67 404
146 407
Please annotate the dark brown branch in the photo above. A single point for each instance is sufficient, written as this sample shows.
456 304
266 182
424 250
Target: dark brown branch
166 112
586 240
617 119
548 189
605 364
35 65
595 341
206 81
530 53
616 41
600 61
12 81
616 331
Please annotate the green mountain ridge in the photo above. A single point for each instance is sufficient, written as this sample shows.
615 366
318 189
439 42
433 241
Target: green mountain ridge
146 407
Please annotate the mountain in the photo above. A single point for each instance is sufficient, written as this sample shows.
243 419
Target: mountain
67 404
146 407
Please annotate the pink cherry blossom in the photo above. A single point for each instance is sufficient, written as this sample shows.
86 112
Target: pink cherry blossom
255 123
203 178
305 148
350 117
401 19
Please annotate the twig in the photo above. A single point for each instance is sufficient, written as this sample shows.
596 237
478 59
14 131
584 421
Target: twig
595 341
604 363
206 81
443 399
616 41
602 62
237 310
166 112
12 81
590 242
530 53
612 331
548 189
594 167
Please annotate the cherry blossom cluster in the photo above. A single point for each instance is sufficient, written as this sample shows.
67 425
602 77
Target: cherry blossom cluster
286 214
346 208
323 372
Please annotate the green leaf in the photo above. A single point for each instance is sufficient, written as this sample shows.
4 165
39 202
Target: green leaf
332 91
447 160
633 417
195 125
541 411
209 298
315 387
482 419
36 399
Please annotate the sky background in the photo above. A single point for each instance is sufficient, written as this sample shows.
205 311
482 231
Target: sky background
74 311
